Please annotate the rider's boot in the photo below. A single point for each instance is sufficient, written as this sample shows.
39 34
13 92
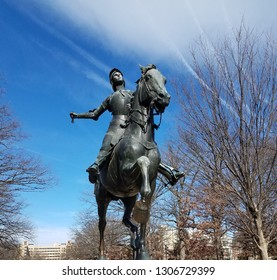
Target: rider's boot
172 174
93 171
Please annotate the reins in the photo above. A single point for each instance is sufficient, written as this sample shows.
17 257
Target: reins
142 123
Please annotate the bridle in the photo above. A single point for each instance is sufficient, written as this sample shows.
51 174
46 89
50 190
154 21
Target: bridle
144 123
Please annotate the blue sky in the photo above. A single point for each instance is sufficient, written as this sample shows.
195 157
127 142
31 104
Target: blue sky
56 56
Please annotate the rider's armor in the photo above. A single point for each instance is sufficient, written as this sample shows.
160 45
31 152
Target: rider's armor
117 104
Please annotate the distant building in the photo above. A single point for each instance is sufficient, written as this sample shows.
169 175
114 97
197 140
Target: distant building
169 238
54 252
228 250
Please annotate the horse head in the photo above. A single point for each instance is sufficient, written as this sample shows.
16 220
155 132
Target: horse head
153 90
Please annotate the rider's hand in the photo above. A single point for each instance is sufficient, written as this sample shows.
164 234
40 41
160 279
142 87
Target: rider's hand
73 115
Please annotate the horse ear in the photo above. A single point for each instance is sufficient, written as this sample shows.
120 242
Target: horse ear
142 69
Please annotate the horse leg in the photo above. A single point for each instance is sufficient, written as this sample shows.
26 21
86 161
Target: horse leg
102 211
142 253
144 163
129 203
141 214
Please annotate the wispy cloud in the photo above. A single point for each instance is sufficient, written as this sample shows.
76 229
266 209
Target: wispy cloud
88 57
90 73
150 30
143 27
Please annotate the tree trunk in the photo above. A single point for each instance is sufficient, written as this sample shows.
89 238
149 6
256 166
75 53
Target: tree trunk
262 243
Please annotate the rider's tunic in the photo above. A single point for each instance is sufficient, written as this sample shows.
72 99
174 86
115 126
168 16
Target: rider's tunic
117 104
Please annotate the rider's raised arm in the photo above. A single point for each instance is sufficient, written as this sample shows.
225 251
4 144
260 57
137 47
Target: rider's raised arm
92 114
101 109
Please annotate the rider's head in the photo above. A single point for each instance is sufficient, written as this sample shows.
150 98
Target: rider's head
116 78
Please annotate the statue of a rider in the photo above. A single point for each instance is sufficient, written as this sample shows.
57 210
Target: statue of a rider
118 103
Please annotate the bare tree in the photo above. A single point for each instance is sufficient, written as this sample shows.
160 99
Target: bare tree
18 172
86 239
195 212
228 128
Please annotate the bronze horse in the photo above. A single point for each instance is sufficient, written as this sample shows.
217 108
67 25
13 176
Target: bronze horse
133 165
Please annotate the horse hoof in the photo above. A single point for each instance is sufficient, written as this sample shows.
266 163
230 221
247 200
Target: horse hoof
143 255
102 258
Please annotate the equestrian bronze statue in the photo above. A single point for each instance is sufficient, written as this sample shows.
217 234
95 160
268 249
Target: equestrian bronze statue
129 159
